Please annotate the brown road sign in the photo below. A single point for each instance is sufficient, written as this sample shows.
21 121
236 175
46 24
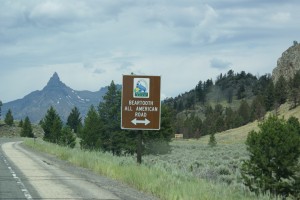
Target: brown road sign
140 102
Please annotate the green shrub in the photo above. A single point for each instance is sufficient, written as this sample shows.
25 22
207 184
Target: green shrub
273 165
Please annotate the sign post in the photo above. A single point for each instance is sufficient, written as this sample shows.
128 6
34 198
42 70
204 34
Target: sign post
140 105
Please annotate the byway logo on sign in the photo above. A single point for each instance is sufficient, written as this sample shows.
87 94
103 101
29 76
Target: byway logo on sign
141 87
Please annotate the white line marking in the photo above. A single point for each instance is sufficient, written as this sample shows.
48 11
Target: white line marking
18 180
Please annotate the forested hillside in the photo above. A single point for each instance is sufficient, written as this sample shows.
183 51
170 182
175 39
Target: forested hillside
230 101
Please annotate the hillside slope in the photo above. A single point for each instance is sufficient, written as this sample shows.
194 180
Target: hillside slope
239 135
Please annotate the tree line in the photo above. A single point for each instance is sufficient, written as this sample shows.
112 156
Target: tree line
101 129
255 97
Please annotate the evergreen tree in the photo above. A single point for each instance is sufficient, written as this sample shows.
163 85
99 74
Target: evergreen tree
269 97
190 100
219 118
21 123
258 110
229 95
230 118
280 90
294 96
294 123
52 126
74 120
200 93
180 106
110 115
261 85
220 124
241 93
212 140
244 112
274 153
90 136
9 119
26 130
188 128
157 142
294 91
56 130
67 137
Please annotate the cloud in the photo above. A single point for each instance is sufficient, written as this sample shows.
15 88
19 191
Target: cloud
88 65
125 65
281 17
219 64
207 29
178 40
99 71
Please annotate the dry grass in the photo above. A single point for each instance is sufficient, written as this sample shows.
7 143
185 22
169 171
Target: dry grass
239 135
151 178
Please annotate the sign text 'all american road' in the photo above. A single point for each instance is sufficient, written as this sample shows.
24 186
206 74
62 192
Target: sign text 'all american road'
141 102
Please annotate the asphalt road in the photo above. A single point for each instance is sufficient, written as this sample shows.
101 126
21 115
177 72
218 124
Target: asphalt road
11 187
25 174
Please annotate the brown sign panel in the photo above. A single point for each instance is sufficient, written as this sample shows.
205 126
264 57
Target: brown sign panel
140 102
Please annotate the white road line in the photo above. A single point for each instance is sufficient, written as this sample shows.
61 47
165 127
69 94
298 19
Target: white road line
17 179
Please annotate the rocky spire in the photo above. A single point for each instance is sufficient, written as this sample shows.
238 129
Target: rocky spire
288 64
54 82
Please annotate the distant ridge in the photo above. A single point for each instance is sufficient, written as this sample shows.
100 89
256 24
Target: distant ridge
56 94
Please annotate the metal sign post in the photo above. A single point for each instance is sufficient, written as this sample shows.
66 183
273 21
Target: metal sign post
140 105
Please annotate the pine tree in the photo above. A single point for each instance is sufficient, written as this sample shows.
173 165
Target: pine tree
90 136
26 130
244 112
229 118
269 97
21 123
157 142
112 137
294 90
67 137
180 106
212 140
74 120
280 90
9 119
258 109
229 95
200 93
52 126
241 93
274 153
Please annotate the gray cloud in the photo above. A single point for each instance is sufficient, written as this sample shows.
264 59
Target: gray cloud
137 35
99 71
219 64
125 65
88 65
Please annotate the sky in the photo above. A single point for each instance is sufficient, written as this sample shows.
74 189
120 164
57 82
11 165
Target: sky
90 43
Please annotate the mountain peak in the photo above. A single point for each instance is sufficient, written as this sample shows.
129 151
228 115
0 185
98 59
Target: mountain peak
54 81
55 76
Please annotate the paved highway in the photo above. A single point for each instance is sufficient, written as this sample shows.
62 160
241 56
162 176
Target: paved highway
11 187
25 174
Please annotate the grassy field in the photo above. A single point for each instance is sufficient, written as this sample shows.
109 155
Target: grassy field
193 170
